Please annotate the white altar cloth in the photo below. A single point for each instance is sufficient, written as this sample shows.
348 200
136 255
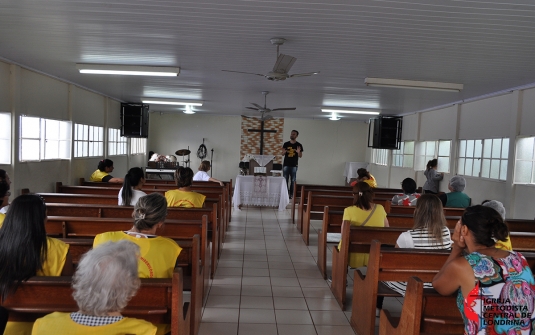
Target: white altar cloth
261 191
351 169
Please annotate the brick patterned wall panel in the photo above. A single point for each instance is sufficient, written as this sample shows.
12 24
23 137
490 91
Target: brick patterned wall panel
250 141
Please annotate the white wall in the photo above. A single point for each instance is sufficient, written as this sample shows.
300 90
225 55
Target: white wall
327 145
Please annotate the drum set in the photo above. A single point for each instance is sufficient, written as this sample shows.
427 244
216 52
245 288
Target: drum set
184 153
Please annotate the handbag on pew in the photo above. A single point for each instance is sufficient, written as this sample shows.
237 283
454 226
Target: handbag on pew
369 216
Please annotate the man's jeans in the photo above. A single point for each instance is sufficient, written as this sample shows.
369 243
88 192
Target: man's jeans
290 172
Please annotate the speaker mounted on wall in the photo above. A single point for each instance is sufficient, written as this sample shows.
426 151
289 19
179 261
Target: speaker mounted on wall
134 120
384 132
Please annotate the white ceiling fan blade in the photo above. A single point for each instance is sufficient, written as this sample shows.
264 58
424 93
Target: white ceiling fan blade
256 74
257 106
284 109
284 63
303 74
255 109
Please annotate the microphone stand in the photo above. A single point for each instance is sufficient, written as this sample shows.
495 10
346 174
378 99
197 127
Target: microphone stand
211 158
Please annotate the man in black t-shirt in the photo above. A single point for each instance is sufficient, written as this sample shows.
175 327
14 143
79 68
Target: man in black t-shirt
292 151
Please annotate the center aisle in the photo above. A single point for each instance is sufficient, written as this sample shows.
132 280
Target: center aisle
259 289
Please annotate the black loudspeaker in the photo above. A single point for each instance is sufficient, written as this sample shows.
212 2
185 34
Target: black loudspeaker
134 120
385 132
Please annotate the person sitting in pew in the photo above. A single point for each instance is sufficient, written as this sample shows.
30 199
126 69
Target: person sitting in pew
364 175
202 174
429 232
130 193
495 288
3 200
5 183
184 196
26 251
102 173
498 207
455 198
363 213
409 195
158 254
105 280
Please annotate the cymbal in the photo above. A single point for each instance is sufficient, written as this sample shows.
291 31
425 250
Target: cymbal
182 152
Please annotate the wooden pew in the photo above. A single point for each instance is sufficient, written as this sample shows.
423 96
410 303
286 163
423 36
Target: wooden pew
157 301
171 184
88 227
355 239
426 312
316 203
114 211
301 189
394 209
188 261
389 264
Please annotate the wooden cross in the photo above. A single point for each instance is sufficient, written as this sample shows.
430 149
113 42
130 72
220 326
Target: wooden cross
262 131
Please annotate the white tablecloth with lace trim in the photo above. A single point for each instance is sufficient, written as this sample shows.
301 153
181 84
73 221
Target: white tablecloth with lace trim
261 191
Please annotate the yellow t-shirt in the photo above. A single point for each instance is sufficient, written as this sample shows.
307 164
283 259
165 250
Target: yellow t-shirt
356 216
158 254
177 198
2 217
61 323
98 175
371 181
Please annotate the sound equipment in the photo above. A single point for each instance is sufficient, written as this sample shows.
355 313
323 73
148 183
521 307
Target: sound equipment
384 132
134 120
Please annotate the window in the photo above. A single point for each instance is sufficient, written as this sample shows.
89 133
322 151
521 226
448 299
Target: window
428 150
484 158
5 138
116 143
138 146
404 156
379 156
44 139
88 141
525 161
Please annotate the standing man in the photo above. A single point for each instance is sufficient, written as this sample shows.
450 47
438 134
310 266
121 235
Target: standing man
292 151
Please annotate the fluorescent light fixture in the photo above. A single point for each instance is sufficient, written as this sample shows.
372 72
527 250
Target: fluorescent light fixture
422 85
351 111
189 110
129 70
160 101
334 117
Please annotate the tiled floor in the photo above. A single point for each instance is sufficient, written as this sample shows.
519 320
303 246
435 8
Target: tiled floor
268 283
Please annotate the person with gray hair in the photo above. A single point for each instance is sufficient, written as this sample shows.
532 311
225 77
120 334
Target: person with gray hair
104 283
455 198
498 207
158 254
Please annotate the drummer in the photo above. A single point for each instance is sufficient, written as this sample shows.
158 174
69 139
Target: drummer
202 174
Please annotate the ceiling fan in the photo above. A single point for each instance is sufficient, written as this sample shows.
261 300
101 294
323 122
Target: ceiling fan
264 110
283 64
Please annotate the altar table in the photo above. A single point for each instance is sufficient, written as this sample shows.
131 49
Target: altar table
261 191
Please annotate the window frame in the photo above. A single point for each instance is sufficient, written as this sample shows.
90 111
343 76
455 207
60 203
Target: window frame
486 152
44 137
422 159
380 157
138 145
6 139
88 141
517 165
403 155
117 144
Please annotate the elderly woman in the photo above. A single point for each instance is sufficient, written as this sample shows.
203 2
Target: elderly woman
493 286
456 197
184 196
106 279
202 174
498 207
158 253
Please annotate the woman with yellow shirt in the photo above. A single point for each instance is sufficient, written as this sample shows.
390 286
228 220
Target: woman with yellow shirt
105 280
26 251
102 173
158 254
364 213
184 196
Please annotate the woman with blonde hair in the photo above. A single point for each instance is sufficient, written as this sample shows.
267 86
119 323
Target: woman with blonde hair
202 174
